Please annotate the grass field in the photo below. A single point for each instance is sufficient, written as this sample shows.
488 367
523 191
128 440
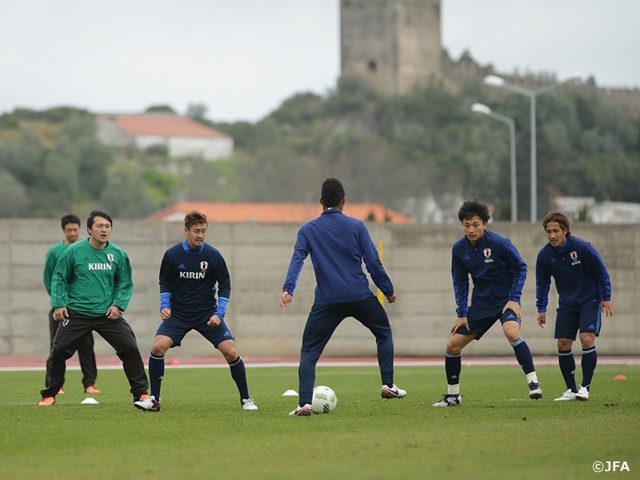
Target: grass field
202 433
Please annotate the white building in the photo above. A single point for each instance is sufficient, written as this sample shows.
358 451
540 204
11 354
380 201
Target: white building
599 212
180 135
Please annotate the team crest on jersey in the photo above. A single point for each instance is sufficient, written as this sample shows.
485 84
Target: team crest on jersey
110 257
487 255
204 266
574 258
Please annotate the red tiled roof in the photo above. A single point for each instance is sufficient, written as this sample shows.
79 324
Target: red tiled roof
274 212
162 125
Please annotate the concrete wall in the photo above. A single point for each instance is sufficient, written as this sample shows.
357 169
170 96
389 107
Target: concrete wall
417 258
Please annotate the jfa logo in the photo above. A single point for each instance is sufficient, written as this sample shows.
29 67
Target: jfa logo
487 255
204 266
611 466
574 258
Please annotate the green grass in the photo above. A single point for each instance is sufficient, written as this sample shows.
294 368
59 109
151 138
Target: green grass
201 431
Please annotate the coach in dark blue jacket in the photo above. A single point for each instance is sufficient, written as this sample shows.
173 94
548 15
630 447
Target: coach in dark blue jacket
584 288
338 245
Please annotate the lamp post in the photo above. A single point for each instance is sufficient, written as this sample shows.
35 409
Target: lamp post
496 81
483 109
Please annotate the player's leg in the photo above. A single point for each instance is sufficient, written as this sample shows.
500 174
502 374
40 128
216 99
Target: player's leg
590 323
70 334
161 343
372 315
511 329
222 339
453 368
169 334
479 322
53 329
567 324
87 358
238 372
119 334
321 323
589 362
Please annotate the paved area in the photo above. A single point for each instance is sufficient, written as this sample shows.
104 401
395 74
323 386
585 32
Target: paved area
38 363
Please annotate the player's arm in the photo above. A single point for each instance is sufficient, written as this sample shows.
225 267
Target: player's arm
460 277
373 264
50 262
519 268
301 250
224 290
123 286
59 282
603 278
164 278
543 283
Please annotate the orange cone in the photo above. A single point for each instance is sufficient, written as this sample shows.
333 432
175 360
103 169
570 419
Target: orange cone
620 377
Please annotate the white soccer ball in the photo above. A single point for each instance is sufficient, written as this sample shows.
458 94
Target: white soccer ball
324 400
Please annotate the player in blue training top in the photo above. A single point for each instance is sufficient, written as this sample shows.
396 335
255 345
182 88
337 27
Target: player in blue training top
189 274
584 289
498 274
338 245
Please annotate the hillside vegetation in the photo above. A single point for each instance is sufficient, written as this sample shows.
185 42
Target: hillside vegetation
403 152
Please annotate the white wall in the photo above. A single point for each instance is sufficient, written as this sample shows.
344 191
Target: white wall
207 148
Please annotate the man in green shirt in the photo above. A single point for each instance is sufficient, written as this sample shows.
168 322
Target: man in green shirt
71 228
90 288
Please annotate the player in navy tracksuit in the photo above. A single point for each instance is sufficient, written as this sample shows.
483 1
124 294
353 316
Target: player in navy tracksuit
189 274
498 274
584 290
338 245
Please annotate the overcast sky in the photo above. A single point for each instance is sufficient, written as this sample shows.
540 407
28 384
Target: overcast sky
242 58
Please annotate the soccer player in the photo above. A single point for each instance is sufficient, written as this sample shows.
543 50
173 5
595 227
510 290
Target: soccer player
90 289
498 274
584 290
189 274
71 229
338 245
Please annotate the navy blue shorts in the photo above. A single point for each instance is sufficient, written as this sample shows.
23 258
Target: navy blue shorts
482 319
176 328
587 320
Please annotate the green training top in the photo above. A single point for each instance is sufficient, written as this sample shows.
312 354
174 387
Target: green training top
89 280
50 261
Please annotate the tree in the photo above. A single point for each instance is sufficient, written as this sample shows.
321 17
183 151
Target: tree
161 108
197 111
125 195
14 201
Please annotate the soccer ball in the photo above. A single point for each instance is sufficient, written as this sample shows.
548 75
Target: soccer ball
324 400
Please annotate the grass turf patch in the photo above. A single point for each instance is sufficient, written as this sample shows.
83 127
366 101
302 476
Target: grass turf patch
202 432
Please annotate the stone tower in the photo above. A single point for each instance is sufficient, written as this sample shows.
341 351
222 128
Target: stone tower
393 44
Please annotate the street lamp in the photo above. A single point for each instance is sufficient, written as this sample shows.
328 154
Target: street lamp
483 109
495 81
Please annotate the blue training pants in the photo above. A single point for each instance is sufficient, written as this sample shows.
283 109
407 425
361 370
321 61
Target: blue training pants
322 322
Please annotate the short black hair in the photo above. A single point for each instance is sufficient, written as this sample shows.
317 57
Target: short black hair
332 192
471 208
69 218
97 213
